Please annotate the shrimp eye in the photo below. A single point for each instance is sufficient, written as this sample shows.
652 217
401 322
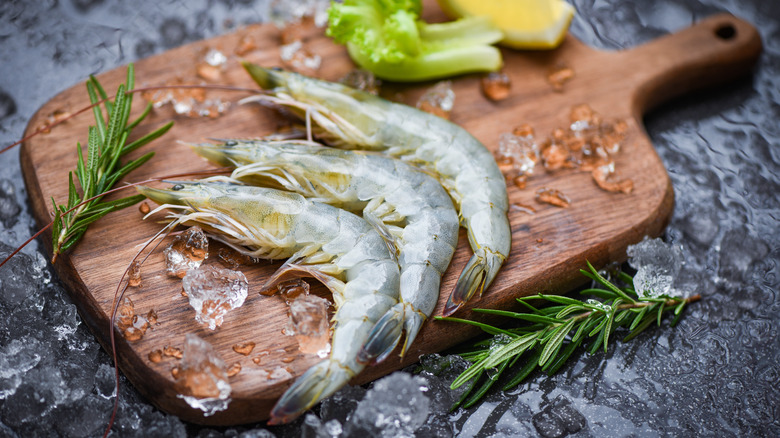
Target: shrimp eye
231 143
276 68
177 187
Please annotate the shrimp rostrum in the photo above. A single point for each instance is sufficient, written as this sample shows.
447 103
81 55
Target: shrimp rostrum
336 247
352 119
410 209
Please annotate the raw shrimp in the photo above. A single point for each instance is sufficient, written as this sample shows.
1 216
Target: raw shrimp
410 208
338 248
348 118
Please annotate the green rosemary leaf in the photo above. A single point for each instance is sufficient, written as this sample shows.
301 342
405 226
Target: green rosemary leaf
554 365
487 328
660 313
466 393
129 167
528 306
492 378
72 238
597 343
639 317
610 320
80 168
560 299
555 341
568 310
678 313
600 320
100 122
600 293
640 328
73 195
525 371
538 318
609 285
497 312
147 138
627 279
513 348
99 88
147 110
57 222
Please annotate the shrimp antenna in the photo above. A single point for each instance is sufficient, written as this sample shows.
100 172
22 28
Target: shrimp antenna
118 296
217 171
46 127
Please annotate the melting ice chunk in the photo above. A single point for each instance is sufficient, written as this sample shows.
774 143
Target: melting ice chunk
187 251
438 100
213 292
394 407
202 380
657 265
309 324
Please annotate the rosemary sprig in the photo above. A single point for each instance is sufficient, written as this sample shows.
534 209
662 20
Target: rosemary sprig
107 142
553 333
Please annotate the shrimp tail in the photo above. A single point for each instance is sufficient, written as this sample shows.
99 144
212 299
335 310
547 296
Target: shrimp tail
383 337
413 321
318 382
474 279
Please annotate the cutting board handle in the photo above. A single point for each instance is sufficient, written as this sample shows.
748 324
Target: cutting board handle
715 50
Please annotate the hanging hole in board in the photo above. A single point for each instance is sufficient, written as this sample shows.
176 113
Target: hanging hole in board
726 31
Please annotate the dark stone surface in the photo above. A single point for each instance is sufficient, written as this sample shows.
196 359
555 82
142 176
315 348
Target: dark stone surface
716 374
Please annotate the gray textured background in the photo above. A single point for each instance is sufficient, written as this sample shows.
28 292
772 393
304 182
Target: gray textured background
717 374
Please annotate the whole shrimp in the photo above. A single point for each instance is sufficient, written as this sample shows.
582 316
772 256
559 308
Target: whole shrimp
409 208
349 118
336 247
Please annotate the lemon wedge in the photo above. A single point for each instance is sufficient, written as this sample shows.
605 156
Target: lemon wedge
527 24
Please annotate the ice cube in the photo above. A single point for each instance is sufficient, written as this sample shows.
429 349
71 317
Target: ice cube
187 251
395 406
134 275
292 289
309 324
213 292
438 100
519 150
657 264
202 380
559 75
362 80
9 208
496 85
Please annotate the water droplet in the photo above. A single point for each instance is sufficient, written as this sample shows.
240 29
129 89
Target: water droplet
245 348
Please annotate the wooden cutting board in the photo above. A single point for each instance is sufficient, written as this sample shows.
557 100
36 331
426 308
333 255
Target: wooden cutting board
548 247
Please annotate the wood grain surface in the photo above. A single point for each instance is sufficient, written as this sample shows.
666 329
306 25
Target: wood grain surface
548 247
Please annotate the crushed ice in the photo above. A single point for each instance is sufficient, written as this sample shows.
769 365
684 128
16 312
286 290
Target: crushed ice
186 251
657 266
202 379
309 324
213 292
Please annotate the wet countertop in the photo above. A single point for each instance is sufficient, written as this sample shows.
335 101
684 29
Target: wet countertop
716 374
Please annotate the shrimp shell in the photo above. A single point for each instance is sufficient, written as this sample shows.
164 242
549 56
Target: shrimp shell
338 248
